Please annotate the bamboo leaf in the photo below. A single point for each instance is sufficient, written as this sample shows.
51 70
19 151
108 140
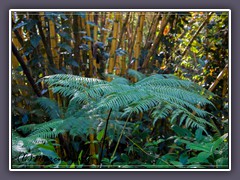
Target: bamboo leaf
35 40
65 46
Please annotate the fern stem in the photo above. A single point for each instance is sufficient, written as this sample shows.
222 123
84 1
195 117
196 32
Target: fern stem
104 136
138 146
114 152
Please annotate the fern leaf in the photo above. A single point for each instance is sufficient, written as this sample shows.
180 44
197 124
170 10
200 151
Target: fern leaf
50 107
135 74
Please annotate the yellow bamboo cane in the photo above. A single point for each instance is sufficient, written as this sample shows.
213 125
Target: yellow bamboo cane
113 45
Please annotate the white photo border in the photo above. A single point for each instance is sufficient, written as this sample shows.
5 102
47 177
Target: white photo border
118 10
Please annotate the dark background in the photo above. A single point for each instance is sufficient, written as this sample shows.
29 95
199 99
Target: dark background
123 4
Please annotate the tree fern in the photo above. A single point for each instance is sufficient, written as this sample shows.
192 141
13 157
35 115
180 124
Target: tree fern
182 97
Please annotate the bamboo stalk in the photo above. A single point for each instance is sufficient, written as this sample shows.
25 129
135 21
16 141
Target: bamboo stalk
107 26
123 30
19 43
95 39
53 43
153 23
83 59
44 41
219 77
225 87
41 14
90 48
113 45
92 150
133 45
77 42
26 70
164 22
123 59
103 22
139 41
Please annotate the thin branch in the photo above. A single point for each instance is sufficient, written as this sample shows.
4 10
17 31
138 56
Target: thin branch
104 137
152 32
18 36
196 33
219 77
114 152
26 71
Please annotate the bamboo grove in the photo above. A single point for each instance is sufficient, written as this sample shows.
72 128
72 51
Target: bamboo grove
119 89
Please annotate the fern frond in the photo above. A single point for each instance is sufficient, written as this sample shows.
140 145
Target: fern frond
154 81
191 97
50 106
117 79
163 112
166 95
135 74
144 104
25 129
48 129
121 99
71 80
65 91
73 107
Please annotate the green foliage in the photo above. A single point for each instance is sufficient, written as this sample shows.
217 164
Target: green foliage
165 95
50 107
159 121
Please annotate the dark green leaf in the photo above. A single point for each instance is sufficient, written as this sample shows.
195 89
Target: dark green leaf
183 158
35 40
176 164
66 35
124 157
65 46
181 131
87 38
25 119
198 134
30 24
218 142
71 61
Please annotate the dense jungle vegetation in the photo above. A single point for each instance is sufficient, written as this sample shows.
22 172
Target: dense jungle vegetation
120 90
